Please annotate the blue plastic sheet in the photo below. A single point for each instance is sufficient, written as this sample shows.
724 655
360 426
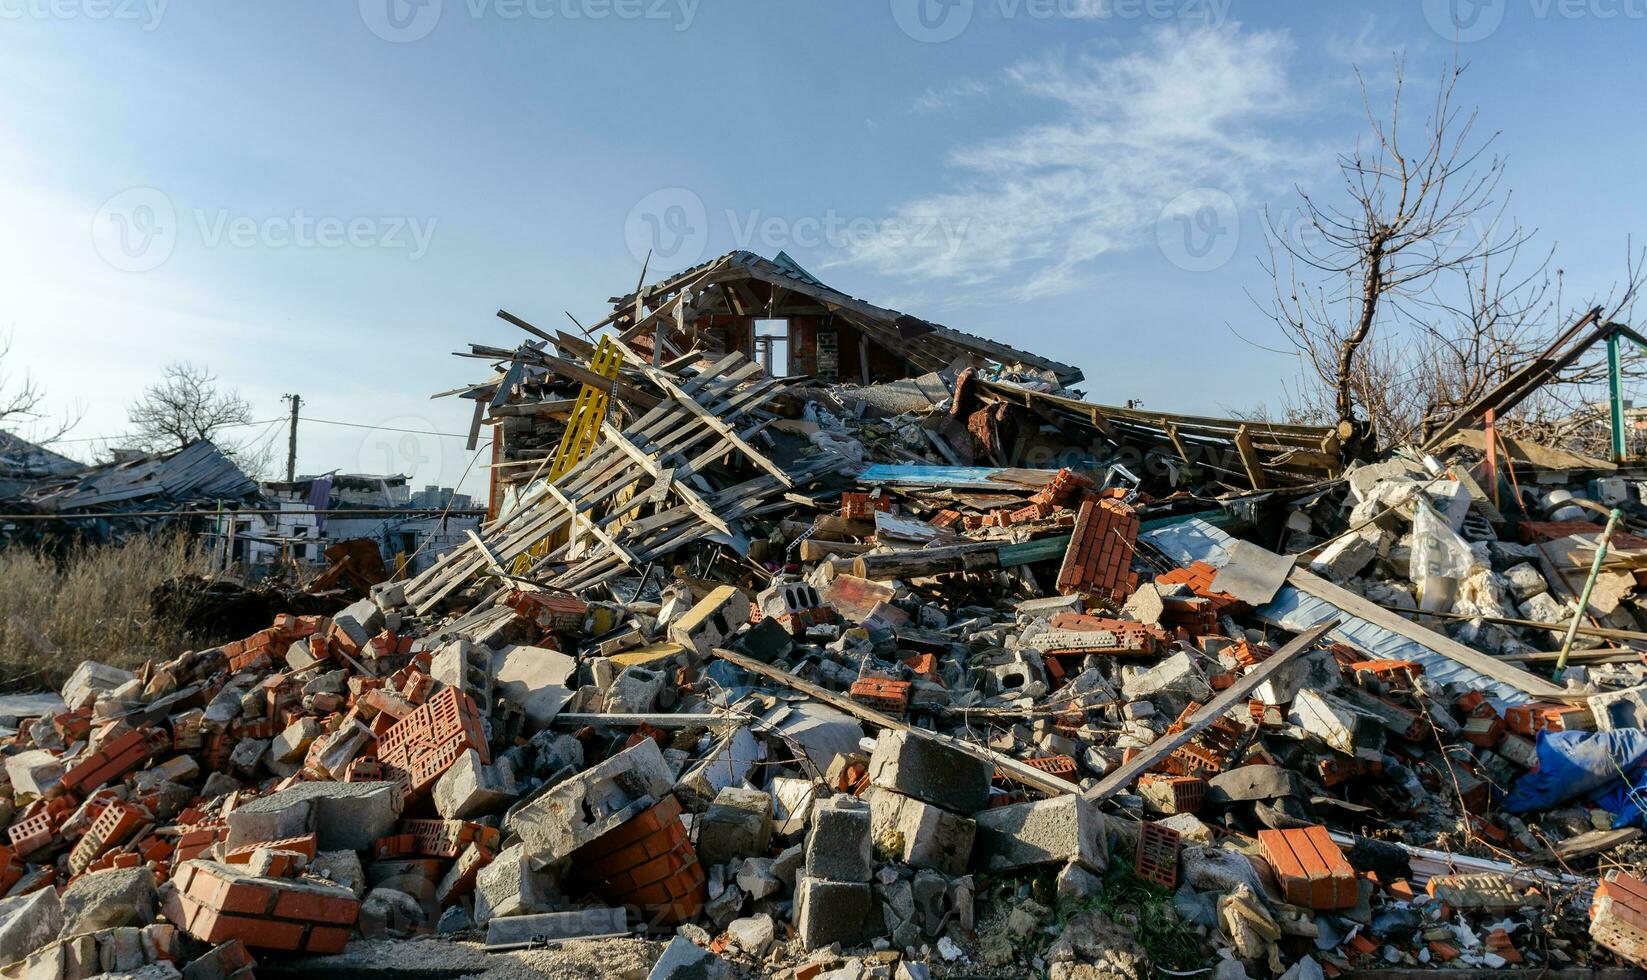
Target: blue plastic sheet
1581 766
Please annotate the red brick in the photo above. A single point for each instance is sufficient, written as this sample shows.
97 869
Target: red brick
1310 867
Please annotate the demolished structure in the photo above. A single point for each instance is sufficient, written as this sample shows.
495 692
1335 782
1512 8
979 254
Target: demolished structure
802 675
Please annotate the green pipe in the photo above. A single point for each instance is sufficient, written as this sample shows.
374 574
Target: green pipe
1615 376
1589 586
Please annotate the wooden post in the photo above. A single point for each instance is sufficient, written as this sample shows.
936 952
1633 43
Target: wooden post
1490 431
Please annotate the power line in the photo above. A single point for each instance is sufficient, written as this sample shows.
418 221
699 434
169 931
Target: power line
338 512
306 418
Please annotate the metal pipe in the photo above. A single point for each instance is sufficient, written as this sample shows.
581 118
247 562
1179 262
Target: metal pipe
1589 586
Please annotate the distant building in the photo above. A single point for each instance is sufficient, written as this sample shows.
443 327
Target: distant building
23 464
296 526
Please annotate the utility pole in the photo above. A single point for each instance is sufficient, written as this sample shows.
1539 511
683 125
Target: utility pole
291 439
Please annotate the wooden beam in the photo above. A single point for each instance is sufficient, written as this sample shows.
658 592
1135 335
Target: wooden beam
1021 772
1210 712
1249 458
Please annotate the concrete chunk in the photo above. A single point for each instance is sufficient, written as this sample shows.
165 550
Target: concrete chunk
28 922
737 825
534 678
919 834
556 926
345 816
507 887
1042 833
930 771
837 842
108 899
712 621
471 787
683 959
596 800
832 911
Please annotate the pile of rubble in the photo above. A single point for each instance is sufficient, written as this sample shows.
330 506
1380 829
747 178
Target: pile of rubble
779 682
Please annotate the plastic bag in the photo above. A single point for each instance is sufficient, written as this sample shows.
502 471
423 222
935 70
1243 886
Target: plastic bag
1579 765
1440 558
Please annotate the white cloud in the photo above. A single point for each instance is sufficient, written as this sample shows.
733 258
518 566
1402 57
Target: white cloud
1190 108
940 99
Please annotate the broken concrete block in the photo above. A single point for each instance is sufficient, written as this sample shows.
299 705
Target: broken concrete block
359 621
593 802
635 691
838 840
556 926
728 763
752 934
28 922
1338 723
108 899
508 886
294 740
930 771
712 621
1619 709
918 834
1316 670
390 912
34 773
466 666
683 959
471 787
90 680
1245 784
832 911
342 867
1043 832
737 825
1176 675
1346 557
535 678
344 816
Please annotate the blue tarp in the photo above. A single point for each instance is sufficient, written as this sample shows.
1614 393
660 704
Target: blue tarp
1608 768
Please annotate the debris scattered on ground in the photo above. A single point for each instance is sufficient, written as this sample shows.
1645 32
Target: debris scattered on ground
805 679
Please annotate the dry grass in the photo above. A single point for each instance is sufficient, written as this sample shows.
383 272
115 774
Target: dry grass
91 605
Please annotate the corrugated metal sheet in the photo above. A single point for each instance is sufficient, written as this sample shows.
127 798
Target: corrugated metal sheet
1296 610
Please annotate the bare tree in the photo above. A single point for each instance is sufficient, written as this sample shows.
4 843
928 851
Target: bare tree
1391 294
187 405
23 402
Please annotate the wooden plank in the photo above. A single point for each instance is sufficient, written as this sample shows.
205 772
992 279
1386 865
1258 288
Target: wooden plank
1249 458
1152 754
755 456
1021 772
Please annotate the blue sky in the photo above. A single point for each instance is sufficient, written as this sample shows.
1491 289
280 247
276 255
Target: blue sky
330 196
